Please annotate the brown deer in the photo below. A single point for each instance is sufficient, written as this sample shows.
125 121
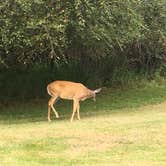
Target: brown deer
70 91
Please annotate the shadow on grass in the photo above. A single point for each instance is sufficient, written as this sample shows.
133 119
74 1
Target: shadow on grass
108 101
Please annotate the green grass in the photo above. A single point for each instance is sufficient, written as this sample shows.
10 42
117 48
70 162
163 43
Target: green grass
124 127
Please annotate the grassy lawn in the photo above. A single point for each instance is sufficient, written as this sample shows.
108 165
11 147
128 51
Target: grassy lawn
124 127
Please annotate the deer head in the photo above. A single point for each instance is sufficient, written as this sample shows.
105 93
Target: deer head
95 92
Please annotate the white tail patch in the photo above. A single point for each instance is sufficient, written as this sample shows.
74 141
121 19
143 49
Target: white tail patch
48 91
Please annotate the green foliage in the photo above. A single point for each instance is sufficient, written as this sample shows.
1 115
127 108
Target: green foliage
35 31
100 42
31 29
148 51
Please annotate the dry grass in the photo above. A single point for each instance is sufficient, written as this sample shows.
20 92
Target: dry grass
126 137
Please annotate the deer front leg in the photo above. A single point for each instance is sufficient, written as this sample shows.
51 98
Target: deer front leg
75 104
78 111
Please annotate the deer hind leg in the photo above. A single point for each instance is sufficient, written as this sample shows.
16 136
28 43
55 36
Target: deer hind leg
51 106
49 110
75 105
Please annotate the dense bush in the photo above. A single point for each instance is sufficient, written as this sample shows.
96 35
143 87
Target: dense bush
97 42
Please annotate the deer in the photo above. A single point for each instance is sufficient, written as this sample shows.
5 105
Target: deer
70 91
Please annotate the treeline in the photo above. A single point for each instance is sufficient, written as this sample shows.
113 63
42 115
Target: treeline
96 42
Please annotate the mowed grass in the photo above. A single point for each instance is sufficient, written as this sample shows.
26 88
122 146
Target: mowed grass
124 127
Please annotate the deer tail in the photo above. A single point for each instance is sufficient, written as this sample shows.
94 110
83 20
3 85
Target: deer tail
48 91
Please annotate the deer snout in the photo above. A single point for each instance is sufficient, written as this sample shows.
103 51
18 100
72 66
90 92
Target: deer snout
94 96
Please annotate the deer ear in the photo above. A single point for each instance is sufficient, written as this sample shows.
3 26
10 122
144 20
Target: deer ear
97 90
